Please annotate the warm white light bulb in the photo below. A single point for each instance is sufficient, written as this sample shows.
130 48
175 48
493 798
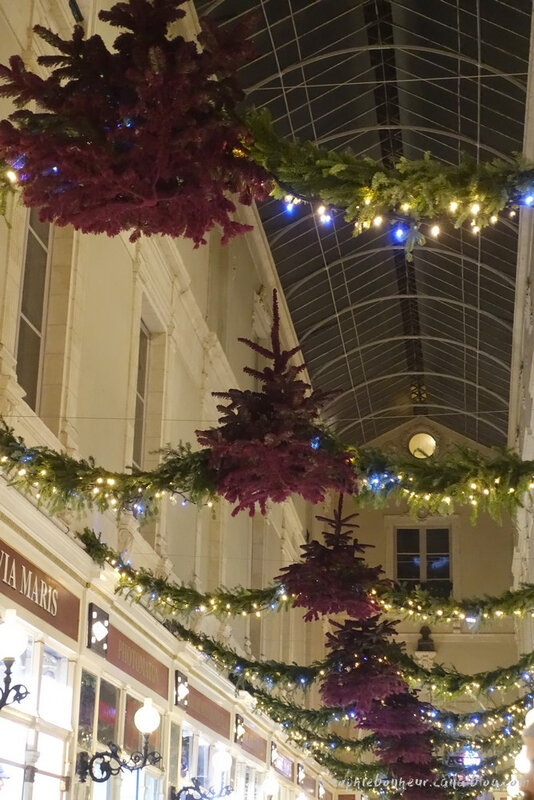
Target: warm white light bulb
522 761
222 760
147 717
434 231
270 786
475 208
453 206
321 210
13 637
11 176
493 219
377 221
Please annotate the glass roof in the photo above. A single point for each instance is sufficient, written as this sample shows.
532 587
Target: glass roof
387 79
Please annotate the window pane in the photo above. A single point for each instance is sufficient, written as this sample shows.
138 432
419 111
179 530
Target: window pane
142 364
42 229
28 354
55 699
173 753
131 785
50 754
132 737
407 540
437 567
87 710
33 290
151 787
23 673
437 540
11 781
187 752
100 791
408 567
203 763
139 427
107 712
48 787
13 741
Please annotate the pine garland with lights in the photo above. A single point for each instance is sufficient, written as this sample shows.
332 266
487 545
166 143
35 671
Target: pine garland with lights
142 137
268 444
411 192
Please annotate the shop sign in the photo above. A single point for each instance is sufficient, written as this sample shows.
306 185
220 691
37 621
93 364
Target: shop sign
25 583
253 743
208 713
281 763
136 662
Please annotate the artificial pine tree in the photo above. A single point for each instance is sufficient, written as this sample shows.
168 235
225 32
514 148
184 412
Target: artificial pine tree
143 137
268 444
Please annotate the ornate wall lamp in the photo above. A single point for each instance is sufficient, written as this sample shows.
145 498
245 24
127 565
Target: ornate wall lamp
197 792
13 643
102 765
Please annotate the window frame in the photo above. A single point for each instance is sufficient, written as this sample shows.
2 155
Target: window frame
139 436
29 231
423 579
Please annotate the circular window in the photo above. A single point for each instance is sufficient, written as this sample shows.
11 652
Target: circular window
422 445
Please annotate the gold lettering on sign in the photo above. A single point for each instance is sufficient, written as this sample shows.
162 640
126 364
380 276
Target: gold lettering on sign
134 660
37 591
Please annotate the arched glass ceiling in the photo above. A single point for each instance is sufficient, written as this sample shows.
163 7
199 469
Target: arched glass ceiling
389 79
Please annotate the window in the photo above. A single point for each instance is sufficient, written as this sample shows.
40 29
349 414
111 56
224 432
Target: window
141 397
203 763
187 753
107 712
423 557
33 308
86 714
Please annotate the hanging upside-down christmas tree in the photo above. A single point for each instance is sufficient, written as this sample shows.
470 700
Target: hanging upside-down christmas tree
363 675
142 137
268 444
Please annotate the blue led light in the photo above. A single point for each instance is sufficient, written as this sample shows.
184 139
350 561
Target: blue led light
400 234
475 720
529 199
315 443
302 679
290 207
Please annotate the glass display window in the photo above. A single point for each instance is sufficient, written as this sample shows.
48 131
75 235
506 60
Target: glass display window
86 714
51 754
55 697
11 781
174 754
132 737
186 758
108 704
203 762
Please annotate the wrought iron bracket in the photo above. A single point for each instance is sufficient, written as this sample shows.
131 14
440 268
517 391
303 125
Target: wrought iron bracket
18 691
102 765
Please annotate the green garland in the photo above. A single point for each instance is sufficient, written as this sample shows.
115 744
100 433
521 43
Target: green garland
171 598
497 483
414 191
141 585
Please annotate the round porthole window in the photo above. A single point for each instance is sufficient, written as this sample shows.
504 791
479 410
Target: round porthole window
422 445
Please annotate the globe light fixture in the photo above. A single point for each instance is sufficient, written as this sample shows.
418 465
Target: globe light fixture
422 445
270 786
13 643
522 761
102 765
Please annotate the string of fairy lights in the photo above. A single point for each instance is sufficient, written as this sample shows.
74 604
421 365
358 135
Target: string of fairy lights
403 229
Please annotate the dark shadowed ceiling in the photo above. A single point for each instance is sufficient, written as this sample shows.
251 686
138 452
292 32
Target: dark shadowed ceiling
388 79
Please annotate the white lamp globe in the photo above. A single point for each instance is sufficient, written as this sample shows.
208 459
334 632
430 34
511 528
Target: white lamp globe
270 786
513 789
147 718
222 760
529 719
13 637
522 761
